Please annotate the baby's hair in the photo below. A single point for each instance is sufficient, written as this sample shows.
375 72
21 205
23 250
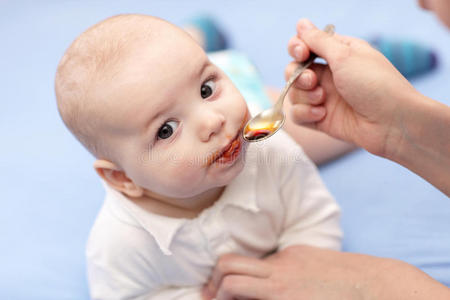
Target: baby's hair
92 59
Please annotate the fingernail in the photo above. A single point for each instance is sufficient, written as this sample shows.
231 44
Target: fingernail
306 24
298 51
318 110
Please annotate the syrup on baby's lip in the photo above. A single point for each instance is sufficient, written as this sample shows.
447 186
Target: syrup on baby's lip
234 147
231 152
225 153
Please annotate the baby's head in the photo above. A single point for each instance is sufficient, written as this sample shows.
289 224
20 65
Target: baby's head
144 99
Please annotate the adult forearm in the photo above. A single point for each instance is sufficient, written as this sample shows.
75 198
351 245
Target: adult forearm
421 140
304 272
401 281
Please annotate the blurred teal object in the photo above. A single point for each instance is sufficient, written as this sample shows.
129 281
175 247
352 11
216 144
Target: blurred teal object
410 58
215 38
245 77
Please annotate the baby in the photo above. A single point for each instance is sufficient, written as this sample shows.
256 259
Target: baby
182 188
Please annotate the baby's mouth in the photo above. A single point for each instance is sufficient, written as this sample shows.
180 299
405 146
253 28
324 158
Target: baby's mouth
232 150
226 154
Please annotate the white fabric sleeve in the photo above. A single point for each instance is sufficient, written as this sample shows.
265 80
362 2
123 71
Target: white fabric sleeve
133 279
178 293
311 213
123 262
120 264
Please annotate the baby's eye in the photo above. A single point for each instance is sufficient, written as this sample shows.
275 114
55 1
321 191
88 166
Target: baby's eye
167 129
207 88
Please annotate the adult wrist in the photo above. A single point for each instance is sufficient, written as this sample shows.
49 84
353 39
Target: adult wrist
405 128
402 281
418 139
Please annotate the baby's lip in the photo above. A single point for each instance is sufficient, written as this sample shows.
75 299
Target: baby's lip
219 153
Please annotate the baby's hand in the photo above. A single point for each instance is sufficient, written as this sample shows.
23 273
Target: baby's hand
355 97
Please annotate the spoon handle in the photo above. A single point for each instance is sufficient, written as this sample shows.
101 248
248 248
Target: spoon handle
301 67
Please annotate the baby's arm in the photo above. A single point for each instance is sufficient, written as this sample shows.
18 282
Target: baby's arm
311 213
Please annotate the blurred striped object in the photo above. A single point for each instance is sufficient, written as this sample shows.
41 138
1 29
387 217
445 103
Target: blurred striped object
410 58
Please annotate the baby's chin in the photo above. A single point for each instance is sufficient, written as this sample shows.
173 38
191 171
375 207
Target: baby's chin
216 177
215 181
225 175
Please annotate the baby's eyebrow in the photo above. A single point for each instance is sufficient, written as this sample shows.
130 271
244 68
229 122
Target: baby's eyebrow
148 124
160 111
206 64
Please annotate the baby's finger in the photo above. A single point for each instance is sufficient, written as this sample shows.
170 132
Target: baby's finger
298 49
306 81
303 114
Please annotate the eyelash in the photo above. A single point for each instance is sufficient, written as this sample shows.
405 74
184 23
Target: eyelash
214 76
156 139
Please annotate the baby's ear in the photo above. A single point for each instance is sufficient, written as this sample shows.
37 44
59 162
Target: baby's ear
117 178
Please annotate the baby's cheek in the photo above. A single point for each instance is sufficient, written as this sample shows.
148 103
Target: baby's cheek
186 172
242 107
184 186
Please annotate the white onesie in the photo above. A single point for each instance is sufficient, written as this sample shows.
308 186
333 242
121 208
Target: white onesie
277 200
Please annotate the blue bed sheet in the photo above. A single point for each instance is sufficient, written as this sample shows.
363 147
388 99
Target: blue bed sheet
50 193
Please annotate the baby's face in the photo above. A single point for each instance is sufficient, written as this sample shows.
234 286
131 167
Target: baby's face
177 119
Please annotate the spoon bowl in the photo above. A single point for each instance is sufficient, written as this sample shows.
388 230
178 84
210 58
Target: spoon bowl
264 125
269 121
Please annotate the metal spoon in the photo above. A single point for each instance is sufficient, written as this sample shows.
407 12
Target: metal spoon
269 121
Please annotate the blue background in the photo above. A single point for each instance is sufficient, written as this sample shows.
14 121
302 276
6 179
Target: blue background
50 193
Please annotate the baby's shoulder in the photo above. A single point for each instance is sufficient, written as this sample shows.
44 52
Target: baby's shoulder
112 234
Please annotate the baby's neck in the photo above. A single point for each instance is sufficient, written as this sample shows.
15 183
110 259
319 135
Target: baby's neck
187 208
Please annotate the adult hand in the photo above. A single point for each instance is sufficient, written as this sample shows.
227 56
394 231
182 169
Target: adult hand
361 98
357 97
303 272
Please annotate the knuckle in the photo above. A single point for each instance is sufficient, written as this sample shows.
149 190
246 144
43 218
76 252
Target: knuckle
343 54
363 43
311 35
224 262
228 284
293 41
295 96
221 265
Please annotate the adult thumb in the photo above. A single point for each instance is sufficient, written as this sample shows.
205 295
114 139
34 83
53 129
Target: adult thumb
323 44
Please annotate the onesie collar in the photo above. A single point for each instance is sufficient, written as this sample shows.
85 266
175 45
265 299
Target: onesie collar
241 192
161 228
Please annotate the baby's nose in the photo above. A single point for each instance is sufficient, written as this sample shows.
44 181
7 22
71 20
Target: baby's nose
210 125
